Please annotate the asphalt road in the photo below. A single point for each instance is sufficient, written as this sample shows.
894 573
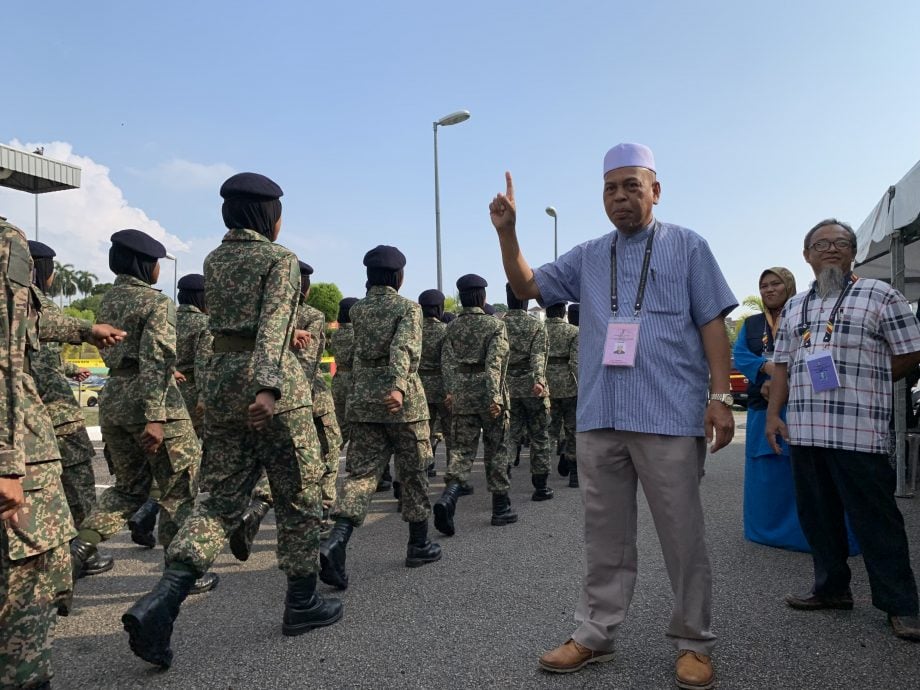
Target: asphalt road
481 616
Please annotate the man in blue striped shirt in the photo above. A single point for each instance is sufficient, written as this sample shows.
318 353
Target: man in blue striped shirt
653 378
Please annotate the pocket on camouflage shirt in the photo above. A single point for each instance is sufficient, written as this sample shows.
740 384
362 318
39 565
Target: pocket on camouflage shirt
44 519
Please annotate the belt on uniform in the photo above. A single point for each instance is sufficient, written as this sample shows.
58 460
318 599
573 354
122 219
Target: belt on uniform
124 371
557 360
519 371
374 361
234 343
471 368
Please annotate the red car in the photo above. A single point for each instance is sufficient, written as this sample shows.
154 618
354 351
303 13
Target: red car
739 386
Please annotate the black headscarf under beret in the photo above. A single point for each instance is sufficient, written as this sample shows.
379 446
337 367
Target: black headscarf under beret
251 201
135 253
345 308
191 291
513 301
43 260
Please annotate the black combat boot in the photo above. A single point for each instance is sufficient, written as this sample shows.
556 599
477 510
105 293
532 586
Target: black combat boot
517 457
149 623
386 479
466 490
431 471
397 494
205 583
420 550
97 563
573 475
305 609
543 492
444 509
564 467
332 554
242 538
81 553
142 523
501 510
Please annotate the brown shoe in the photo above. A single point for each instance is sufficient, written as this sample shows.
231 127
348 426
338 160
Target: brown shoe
812 602
906 627
694 670
571 657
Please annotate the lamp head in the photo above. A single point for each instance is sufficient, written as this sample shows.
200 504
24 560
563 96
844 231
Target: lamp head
551 211
454 118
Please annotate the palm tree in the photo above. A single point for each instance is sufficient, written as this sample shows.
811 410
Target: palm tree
63 283
85 281
753 302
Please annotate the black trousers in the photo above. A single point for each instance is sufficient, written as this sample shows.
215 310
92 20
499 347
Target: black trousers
827 483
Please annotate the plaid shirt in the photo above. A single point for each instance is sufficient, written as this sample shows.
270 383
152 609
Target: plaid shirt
874 323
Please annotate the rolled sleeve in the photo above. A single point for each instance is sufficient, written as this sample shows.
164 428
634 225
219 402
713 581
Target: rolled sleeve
560 280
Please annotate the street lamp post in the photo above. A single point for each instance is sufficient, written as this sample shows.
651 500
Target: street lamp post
447 120
175 276
551 212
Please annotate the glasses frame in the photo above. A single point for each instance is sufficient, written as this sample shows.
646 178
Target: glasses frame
847 244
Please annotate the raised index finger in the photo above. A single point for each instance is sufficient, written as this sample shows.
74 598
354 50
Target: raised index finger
509 187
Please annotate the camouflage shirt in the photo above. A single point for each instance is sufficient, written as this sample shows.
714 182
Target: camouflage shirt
342 346
141 387
253 287
193 349
473 361
388 348
562 358
311 319
527 362
322 396
50 374
433 331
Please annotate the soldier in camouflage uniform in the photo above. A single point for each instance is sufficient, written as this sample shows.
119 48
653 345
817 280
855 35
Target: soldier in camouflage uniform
342 346
388 415
193 346
473 363
50 375
528 390
257 416
562 377
145 424
35 522
433 330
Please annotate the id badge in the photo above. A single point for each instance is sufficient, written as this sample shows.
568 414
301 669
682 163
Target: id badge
621 343
822 371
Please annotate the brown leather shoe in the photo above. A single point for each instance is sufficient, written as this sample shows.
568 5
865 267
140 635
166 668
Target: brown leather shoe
812 602
694 670
906 627
571 657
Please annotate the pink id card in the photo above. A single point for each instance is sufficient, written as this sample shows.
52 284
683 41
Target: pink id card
622 343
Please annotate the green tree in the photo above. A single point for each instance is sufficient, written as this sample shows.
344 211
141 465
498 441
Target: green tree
326 298
452 304
63 284
84 280
753 302
93 300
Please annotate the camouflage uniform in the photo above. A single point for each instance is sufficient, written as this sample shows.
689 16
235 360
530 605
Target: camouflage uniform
193 349
473 363
327 428
34 558
387 351
429 369
253 286
142 388
527 367
562 376
77 452
342 346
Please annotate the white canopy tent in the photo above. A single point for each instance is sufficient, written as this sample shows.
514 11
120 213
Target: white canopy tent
888 249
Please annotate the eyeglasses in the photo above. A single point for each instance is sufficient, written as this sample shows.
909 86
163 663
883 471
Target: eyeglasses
824 245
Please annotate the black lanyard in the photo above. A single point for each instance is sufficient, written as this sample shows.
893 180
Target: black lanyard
831 321
643 277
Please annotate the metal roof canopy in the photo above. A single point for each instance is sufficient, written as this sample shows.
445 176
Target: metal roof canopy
31 172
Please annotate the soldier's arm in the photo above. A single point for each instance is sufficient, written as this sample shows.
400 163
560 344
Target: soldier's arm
405 347
156 358
573 356
55 325
203 350
276 321
448 361
12 460
538 349
496 361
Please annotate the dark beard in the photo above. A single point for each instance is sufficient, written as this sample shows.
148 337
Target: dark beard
829 281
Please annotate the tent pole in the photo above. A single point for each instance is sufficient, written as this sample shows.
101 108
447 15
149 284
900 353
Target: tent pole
900 403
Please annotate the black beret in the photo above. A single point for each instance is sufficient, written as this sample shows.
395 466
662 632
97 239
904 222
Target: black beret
40 250
574 307
139 242
431 298
193 281
383 256
347 303
253 185
305 269
471 281
488 309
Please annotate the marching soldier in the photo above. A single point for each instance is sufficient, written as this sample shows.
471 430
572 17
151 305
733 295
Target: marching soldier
342 346
433 329
562 377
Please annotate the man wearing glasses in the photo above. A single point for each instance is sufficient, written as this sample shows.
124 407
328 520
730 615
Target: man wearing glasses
839 347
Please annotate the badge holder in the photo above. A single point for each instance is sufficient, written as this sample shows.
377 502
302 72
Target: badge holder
822 371
621 343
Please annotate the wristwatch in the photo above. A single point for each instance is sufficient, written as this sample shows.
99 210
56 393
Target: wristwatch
726 399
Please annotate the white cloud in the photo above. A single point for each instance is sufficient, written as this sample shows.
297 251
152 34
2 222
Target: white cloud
182 174
78 223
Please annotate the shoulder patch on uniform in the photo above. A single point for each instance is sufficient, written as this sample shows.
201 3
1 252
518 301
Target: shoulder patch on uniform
19 269
170 312
295 272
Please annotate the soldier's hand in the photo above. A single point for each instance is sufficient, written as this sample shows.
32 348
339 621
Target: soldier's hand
262 410
179 376
104 335
82 375
495 409
502 210
152 437
11 499
538 389
393 401
199 409
449 402
300 339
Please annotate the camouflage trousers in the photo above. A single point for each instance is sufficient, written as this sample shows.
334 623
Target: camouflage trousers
330 443
233 461
439 420
77 474
28 591
174 468
464 430
341 385
530 417
369 452
562 425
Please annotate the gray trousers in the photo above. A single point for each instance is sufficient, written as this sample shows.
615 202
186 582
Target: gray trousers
670 468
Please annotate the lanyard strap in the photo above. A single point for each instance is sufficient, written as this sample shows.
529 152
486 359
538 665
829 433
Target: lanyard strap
643 277
829 327
767 337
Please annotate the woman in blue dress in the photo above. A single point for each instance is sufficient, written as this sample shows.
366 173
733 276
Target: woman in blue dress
770 515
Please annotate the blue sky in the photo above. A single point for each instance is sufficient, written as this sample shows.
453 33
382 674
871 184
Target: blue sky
763 119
